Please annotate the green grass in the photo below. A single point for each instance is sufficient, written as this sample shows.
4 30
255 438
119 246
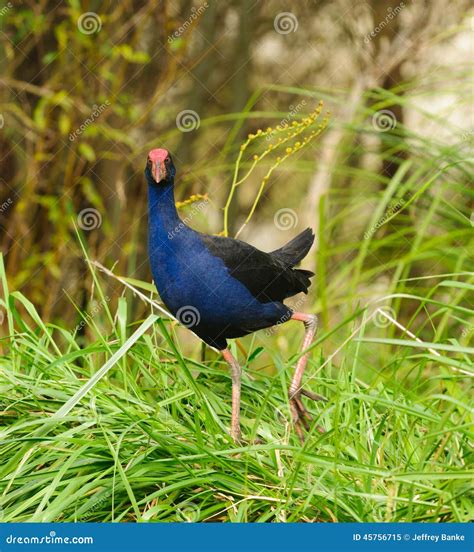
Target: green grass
149 441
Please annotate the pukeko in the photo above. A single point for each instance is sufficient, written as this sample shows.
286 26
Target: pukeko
223 288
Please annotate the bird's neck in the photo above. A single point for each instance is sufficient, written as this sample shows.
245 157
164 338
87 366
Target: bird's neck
163 216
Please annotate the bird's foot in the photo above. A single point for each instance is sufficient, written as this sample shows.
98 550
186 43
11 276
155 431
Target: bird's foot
236 436
239 441
301 417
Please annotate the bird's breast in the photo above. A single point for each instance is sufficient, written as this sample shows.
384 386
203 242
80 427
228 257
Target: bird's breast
186 274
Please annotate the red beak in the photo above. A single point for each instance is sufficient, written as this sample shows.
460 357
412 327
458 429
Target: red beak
158 170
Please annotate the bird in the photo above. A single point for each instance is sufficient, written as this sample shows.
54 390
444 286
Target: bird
223 288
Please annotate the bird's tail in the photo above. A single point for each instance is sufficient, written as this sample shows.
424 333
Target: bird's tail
296 249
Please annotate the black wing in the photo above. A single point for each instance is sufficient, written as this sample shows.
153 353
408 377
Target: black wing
268 276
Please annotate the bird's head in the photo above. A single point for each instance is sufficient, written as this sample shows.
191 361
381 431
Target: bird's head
160 167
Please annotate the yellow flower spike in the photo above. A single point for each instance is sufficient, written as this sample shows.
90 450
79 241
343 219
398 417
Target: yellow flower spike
291 134
192 199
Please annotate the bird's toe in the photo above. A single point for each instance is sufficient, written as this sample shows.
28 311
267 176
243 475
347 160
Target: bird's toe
301 417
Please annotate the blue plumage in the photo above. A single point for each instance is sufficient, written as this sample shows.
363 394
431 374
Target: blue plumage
196 285
224 288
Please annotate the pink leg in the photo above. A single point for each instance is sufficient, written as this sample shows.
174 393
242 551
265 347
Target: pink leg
235 374
301 417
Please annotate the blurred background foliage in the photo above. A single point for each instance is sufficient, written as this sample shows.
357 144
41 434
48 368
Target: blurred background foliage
86 89
81 109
